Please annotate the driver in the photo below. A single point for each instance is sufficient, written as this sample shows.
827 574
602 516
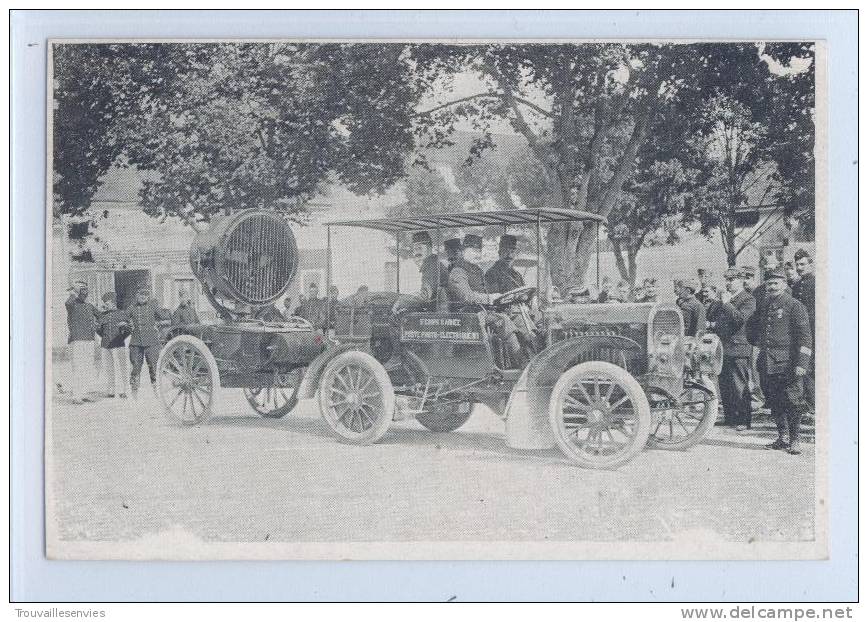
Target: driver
502 277
466 287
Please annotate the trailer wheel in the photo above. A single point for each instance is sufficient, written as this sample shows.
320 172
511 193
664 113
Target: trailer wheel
187 379
681 423
599 415
356 397
276 401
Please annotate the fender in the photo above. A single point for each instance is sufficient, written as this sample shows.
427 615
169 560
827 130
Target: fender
527 415
310 382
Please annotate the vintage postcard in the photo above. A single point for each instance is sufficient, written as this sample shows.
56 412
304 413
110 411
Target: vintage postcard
546 299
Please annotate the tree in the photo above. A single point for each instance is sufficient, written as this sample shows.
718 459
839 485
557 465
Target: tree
734 176
230 126
585 111
652 202
427 192
791 120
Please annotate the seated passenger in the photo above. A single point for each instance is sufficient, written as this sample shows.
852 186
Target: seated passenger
502 277
434 272
466 290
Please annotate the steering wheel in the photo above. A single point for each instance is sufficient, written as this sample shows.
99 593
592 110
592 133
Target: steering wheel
518 295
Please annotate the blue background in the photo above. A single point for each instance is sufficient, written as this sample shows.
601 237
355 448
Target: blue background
36 579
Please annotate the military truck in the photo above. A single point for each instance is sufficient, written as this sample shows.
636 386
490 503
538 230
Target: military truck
600 381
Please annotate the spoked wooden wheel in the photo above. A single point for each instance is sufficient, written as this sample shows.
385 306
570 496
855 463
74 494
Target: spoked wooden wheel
275 402
599 415
680 423
187 379
356 397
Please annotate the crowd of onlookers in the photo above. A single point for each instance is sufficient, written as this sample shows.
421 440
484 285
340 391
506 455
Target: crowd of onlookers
767 332
132 335
113 345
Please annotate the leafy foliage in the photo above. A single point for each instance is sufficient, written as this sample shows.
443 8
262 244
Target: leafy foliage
222 126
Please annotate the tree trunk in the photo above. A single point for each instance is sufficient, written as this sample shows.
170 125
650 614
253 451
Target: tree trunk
603 205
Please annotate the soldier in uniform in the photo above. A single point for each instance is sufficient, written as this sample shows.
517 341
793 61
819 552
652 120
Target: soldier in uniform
691 308
312 307
707 291
727 317
803 291
144 317
185 313
287 307
466 288
780 329
792 274
756 392
81 318
433 271
113 329
502 277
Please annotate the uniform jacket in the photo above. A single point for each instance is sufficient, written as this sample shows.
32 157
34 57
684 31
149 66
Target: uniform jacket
694 316
803 291
434 279
313 310
81 319
185 314
501 277
114 328
729 323
144 318
781 330
466 283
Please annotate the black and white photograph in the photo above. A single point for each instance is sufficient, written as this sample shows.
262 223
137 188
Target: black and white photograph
436 299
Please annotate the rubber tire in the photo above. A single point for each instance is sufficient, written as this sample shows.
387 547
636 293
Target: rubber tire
198 344
444 418
284 410
372 366
630 386
277 413
699 433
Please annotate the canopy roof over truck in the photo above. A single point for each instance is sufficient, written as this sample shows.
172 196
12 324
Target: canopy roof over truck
507 218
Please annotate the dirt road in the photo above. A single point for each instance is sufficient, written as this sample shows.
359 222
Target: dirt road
124 471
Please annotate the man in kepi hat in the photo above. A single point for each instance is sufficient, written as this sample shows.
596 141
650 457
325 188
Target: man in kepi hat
728 316
756 392
781 330
434 272
502 277
145 317
691 308
81 318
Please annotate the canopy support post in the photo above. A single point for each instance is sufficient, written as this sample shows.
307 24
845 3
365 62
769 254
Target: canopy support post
439 257
538 264
598 256
328 311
